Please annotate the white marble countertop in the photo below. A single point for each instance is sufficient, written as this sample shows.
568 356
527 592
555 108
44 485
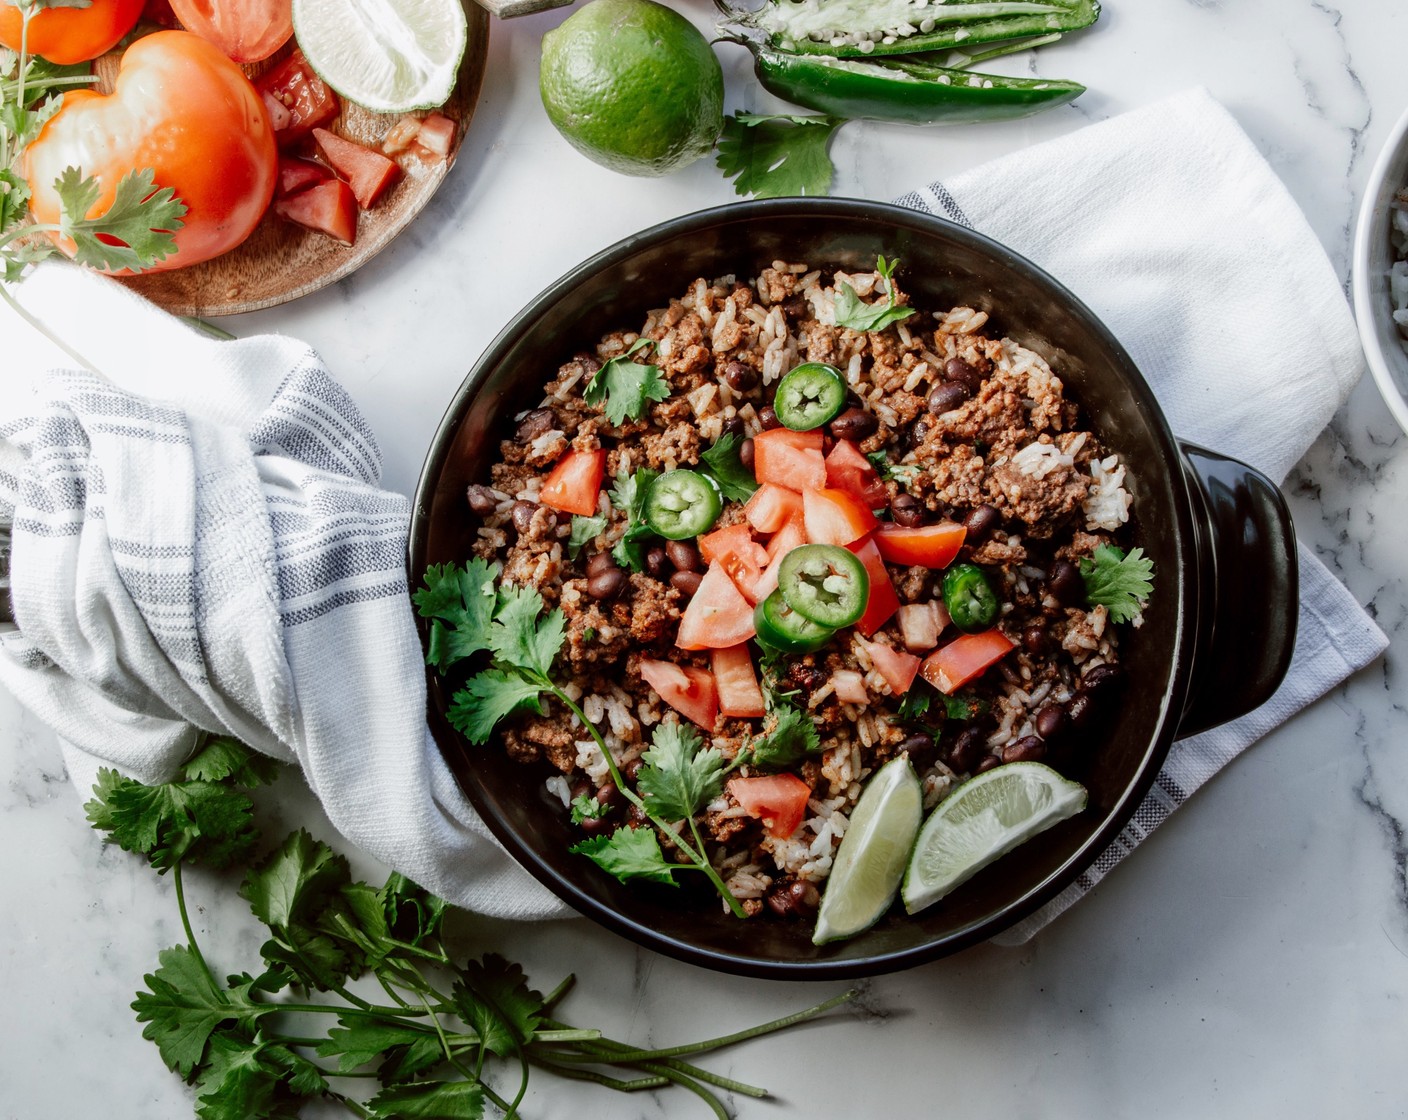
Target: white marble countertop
1250 959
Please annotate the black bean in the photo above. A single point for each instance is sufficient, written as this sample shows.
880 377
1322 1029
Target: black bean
1079 709
745 453
796 306
1026 749
522 514
917 746
1102 678
684 556
608 795
980 523
797 899
600 562
767 417
686 583
481 500
917 431
606 583
1063 581
657 563
1050 721
908 511
631 771
964 753
533 425
597 826
636 818
958 370
733 426
988 762
854 424
946 396
1034 639
740 377
582 788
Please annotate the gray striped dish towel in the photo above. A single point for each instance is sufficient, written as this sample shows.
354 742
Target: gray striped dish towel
1169 224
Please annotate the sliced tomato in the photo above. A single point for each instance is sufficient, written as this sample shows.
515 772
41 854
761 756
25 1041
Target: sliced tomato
687 689
835 517
70 34
436 134
734 549
246 30
307 101
780 544
966 657
883 601
718 615
298 174
791 459
847 469
330 207
575 483
929 546
897 667
778 800
368 173
771 507
739 694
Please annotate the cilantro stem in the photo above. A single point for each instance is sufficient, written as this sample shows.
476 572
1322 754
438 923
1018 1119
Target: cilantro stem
556 995
694 1087
207 328
23 312
350 1104
634 1085
190 933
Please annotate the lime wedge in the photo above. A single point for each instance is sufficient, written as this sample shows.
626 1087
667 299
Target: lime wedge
984 818
872 854
389 56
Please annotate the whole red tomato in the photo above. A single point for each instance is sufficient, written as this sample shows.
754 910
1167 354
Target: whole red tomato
186 111
246 30
67 35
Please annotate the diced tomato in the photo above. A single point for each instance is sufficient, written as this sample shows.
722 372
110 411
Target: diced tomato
847 469
778 800
297 174
966 657
575 483
834 517
848 686
930 546
687 689
883 601
734 549
330 208
718 616
791 459
739 694
897 667
781 543
772 507
436 134
368 173
306 97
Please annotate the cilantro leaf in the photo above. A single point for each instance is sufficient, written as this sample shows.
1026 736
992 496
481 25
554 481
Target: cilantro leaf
429 1100
1118 582
496 1001
736 482
294 881
903 473
358 1041
136 231
793 736
584 531
299 1074
853 312
678 779
489 697
237 1083
221 758
586 807
777 156
628 495
175 821
181 1009
518 638
410 912
629 853
625 387
460 602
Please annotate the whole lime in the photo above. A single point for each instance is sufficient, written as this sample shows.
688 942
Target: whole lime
633 86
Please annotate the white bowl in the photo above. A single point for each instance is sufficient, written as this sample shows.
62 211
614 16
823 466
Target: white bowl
1383 345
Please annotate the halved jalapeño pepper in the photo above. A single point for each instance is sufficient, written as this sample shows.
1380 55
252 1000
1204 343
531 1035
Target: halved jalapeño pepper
809 396
824 583
682 504
856 28
904 90
781 628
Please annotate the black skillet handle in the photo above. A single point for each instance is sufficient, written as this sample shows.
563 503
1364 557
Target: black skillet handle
1249 597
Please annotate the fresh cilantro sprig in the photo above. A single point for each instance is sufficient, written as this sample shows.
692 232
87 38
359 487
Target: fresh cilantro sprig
777 156
855 313
628 495
524 641
903 473
722 464
584 531
1122 584
428 1052
792 737
624 388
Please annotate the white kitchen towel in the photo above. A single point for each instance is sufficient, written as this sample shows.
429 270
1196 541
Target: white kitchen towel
198 538
1174 230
